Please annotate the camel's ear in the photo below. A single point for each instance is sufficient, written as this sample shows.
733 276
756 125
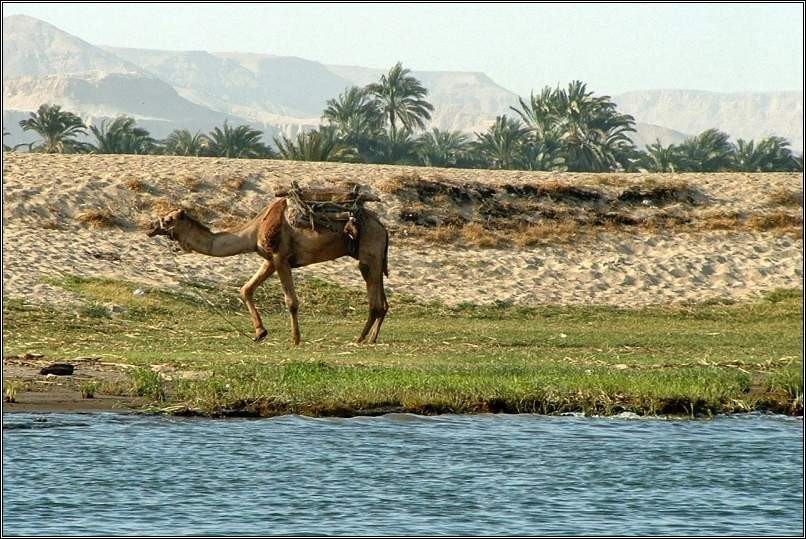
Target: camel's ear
181 213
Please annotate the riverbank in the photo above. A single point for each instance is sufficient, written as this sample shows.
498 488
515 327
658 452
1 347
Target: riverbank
178 352
510 291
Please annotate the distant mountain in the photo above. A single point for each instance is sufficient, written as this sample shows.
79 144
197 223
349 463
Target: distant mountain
42 64
33 48
741 115
257 86
646 134
166 90
154 103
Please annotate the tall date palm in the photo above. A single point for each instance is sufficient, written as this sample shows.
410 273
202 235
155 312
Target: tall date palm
402 98
58 128
182 142
501 145
321 144
242 142
121 136
437 148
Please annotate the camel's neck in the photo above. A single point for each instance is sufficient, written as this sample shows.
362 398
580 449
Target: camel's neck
200 239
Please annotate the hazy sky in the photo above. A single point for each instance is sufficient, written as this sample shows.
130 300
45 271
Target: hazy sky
613 47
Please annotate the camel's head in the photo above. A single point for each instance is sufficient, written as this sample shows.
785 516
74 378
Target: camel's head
168 224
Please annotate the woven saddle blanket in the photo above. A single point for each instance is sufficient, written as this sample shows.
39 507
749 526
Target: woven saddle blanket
324 208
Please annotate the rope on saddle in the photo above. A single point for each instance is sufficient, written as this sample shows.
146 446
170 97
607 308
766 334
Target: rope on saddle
337 210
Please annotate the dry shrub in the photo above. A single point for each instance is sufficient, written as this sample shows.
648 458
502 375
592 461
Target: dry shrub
665 220
616 218
398 183
438 235
777 220
191 183
478 235
163 205
659 193
786 197
98 218
138 186
721 220
557 231
556 190
235 183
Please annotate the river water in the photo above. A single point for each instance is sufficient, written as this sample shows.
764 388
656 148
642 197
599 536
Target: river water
111 474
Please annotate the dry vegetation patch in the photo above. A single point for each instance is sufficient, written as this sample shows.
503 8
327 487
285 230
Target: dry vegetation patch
99 218
138 186
786 197
235 183
776 220
654 194
524 214
192 183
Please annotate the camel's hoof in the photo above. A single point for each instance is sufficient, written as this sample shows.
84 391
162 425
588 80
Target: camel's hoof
260 336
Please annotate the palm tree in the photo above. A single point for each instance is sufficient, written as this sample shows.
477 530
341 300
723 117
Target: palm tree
181 142
242 141
500 146
542 113
321 144
545 154
660 159
594 132
441 148
122 136
709 151
772 154
798 159
58 128
591 133
357 117
354 113
394 148
401 97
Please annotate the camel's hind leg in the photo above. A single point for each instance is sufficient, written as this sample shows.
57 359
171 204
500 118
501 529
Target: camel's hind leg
248 292
291 301
373 275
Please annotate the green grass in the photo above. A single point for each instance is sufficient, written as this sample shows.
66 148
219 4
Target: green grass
689 360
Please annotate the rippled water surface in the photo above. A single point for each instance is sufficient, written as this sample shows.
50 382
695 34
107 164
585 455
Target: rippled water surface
401 475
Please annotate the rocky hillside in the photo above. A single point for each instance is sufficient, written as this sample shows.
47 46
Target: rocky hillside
742 115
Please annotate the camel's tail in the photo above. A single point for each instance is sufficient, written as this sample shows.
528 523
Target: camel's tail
386 255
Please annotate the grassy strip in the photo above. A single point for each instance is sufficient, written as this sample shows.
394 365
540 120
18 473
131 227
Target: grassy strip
689 360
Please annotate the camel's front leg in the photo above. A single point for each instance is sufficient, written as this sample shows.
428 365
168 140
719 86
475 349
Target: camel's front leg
248 292
287 281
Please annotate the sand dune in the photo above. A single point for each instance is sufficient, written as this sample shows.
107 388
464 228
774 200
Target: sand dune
46 196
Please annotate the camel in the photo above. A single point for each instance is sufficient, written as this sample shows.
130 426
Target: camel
285 246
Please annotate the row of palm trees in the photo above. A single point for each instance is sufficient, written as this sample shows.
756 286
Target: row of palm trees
557 129
59 130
